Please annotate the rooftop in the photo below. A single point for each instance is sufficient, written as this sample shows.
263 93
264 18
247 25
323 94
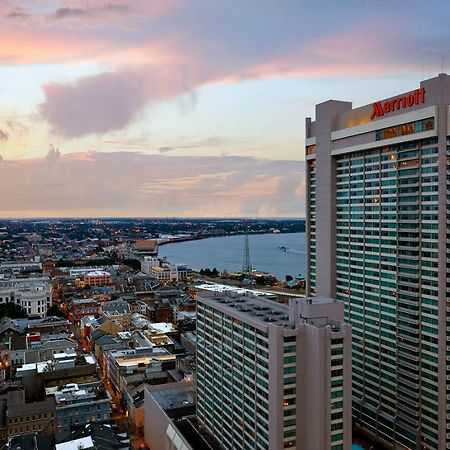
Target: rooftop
20 409
318 312
82 301
76 444
104 437
73 393
222 288
257 309
173 395
98 273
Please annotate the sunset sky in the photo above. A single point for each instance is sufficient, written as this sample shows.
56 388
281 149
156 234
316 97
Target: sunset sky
190 107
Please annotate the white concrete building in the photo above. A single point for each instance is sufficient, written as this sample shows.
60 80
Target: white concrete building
34 295
161 270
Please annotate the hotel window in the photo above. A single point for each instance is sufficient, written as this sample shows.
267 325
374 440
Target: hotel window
310 149
389 133
429 124
408 128
405 129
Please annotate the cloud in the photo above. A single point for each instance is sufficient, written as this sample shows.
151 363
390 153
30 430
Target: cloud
136 184
109 101
17 14
192 47
166 149
4 135
95 104
157 50
211 142
64 13
99 13
17 127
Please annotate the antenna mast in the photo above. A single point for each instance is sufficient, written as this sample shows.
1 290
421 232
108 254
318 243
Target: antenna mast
247 267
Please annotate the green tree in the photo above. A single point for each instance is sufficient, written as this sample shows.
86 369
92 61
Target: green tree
55 311
12 311
135 264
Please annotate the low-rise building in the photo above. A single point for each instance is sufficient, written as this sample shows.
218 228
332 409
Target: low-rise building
134 366
83 307
64 369
97 278
95 436
163 405
25 418
147 246
79 404
118 310
32 349
163 271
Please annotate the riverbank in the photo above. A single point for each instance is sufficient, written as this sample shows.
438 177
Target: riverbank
227 253
221 235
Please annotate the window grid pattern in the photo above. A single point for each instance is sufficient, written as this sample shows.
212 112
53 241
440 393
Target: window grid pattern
232 366
386 259
312 226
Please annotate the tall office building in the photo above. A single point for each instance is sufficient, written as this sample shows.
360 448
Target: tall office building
378 241
273 377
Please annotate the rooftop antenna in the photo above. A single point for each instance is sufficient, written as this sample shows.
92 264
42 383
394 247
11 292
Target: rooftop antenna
247 267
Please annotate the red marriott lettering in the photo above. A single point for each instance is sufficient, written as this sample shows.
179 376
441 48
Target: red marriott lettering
379 109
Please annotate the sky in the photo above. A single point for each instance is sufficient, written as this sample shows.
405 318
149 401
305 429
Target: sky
190 108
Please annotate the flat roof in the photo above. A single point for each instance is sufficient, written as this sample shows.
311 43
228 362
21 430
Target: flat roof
20 409
174 395
76 444
162 327
98 273
251 308
237 290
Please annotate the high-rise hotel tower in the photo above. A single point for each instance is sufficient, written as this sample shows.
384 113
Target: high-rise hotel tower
378 241
271 377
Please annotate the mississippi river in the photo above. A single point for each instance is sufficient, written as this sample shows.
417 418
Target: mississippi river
227 253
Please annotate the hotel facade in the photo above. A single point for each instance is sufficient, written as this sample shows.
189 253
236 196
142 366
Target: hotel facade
271 377
378 211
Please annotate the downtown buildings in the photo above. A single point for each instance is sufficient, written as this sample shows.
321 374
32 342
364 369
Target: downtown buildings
271 376
378 209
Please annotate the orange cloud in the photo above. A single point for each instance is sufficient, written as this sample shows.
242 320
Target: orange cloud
34 47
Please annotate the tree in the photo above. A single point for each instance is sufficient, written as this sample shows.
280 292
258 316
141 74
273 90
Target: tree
288 278
214 273
55 311
12 311
135 264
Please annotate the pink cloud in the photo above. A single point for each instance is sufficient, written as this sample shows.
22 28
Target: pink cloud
135 184
157 50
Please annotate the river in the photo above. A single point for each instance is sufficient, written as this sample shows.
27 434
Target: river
227 253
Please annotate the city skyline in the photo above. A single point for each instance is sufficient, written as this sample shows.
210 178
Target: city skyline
183 108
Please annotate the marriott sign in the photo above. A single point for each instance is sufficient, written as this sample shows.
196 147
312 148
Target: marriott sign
380 109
